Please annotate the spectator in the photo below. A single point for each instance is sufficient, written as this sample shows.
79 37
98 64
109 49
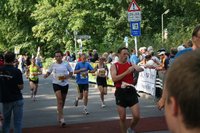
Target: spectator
115 58
196 45
181 47
95 56
1 60
90 55
164 63
188 44
38 61
67 57
16 63
134 59
11 84
142 52
150 63
79 57
183 94
171 59
73 56
109 59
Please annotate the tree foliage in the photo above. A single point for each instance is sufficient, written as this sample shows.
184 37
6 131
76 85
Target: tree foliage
51 24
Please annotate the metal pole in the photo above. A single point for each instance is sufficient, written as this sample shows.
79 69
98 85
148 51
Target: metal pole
75 33
162 25
126 44
136 49
75 43
162 21
81 46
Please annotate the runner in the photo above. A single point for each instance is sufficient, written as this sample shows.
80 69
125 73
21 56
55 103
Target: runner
81 70
102 75
125 93
61 71
32 74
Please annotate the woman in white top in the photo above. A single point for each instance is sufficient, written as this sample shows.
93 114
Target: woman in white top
61 72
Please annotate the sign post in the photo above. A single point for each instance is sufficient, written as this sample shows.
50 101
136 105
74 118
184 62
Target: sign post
80 38
134 17
126 41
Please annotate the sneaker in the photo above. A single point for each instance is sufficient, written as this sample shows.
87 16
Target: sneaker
85 111
62 122
31 94
76 102
34 98
129 130
103 105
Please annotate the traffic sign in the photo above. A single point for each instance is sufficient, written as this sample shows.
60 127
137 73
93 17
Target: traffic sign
126 39
133 7
134 16
83 36
135 28
17 49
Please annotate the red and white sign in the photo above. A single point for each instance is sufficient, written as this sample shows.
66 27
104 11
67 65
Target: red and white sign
133 7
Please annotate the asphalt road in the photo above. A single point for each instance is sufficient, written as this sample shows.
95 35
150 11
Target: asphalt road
43 111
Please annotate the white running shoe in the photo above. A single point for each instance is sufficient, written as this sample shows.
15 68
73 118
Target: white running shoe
129 130
103 105
62 122
85 111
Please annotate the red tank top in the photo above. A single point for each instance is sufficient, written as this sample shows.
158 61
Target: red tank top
121 68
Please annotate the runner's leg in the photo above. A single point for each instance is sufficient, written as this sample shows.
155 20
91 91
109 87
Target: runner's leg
59 104
101 90
135 110
122 116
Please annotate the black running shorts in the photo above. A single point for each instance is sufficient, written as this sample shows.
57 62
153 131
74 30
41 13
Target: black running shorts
101 81
126 97
34 81
63 89
83 87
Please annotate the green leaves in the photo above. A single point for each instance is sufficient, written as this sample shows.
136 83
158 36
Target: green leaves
32 23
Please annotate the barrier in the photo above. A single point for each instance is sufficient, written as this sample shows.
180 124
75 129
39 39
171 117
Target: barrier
146 81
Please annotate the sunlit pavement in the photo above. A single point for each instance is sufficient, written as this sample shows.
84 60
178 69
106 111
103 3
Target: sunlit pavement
42 112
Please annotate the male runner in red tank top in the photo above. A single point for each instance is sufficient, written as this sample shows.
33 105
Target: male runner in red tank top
125 94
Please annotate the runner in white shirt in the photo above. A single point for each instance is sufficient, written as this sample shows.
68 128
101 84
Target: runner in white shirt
61 72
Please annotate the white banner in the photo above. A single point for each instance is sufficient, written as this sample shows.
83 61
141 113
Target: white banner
146 81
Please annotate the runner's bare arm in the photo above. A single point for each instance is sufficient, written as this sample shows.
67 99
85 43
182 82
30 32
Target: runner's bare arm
46 75
137 68
27 72
161 102
92 71
80 70
69 75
